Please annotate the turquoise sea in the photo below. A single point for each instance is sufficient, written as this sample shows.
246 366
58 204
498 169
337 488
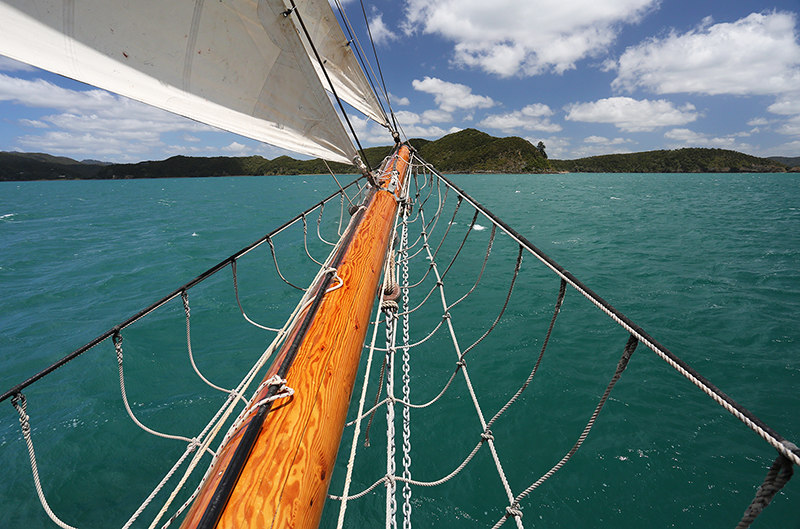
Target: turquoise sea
709 265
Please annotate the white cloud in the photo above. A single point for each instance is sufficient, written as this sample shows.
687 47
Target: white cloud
791 127
86 145
758 54
436 116
787 149
600 140
632 115
418 126
92 122
532 117
556 147
35 123
689 138
758 122
236 148
451 96
508 37
787 105
399 101
381 34
432 132
407 118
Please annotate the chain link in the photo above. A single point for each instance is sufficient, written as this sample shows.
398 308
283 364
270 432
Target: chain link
406 376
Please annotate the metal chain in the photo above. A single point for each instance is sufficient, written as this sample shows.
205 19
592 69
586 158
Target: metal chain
406 376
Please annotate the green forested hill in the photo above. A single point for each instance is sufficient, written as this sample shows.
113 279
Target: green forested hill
466 151
691 160
17 166
473 151
789 162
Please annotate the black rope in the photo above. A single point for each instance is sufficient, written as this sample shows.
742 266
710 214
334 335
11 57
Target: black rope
240 456
362 59
505 305
463 242
378 64
591 295
377 395
175 293
779 474
327 77
562 290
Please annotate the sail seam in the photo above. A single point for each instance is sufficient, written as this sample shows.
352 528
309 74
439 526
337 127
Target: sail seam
194 29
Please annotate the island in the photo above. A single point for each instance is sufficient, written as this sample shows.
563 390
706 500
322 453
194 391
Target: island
463 152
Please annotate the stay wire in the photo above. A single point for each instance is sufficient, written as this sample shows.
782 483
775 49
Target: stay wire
361 56
330 83
378 63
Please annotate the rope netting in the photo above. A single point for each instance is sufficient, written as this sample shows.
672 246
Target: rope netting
258 294
469 314
445 242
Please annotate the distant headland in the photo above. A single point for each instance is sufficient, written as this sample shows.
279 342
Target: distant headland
466 151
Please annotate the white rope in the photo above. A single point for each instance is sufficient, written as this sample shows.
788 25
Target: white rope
454 339
362 399
117 338
238 301
20 403
357 431
185 297
769 438
305 241
302 305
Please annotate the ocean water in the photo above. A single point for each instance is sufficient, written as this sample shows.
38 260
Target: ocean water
709 265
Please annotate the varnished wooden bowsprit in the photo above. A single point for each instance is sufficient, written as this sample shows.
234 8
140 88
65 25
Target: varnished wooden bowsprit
285 454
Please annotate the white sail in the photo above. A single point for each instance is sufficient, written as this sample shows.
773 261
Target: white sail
340 62
239 65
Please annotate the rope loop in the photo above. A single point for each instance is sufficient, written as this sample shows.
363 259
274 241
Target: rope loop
779 475
487 436
283 392
389 305
185 298
513 510
20 403
117 339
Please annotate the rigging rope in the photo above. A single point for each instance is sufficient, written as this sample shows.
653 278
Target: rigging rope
400 258
21 405
779 475
200 444
776 478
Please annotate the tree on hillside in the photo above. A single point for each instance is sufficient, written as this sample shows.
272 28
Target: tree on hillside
541 149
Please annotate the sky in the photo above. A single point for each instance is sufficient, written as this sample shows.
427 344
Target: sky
586 77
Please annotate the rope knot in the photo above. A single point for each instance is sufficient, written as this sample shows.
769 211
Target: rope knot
389 305
283 392
117 339
21 404
185 298
487 436
514 511
461 363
